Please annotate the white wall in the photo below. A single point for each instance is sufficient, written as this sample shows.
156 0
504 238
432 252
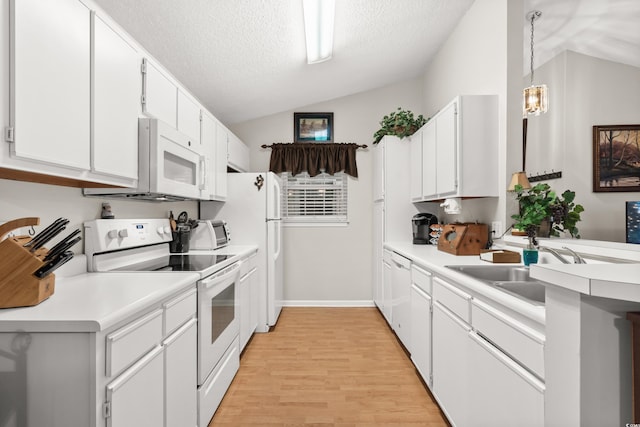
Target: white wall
333 263
484 56
584 92
48 202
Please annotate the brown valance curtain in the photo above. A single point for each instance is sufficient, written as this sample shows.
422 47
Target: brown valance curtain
312 157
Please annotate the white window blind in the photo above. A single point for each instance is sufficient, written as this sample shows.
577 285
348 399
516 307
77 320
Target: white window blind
318 199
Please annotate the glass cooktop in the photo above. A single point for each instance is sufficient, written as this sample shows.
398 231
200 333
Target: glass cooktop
178 262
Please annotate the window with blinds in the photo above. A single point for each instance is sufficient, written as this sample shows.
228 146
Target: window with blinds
318 199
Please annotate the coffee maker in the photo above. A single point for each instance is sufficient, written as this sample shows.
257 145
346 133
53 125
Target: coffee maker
421 223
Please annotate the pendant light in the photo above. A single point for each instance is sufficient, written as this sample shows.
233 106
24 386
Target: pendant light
535 99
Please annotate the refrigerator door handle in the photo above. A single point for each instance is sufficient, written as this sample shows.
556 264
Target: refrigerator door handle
277 243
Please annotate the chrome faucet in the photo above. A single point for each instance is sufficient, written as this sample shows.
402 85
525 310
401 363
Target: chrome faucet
577 259
554 253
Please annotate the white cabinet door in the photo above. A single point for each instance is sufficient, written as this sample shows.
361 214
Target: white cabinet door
387 278
189 119
208 143
181 376
504 393
429 160
245 291
136 397
446 151
421 332
401 294
116 103
450 365
51 82
221 159
238 154
160 94
378 242
416 165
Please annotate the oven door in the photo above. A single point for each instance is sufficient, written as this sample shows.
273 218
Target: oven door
174 168
218 317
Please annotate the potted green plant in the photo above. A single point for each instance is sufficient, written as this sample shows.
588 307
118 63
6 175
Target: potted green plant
401 123
539 204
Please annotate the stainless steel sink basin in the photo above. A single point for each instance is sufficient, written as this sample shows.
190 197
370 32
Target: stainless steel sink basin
512 279
531 290
495 273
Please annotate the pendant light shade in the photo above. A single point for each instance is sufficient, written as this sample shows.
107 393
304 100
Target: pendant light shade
535 98
519 178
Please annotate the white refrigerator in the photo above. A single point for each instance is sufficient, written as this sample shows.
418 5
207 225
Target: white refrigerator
252 211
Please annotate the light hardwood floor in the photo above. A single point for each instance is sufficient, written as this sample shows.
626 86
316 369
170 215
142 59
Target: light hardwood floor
327 367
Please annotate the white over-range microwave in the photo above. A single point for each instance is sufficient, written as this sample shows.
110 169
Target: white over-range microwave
168 169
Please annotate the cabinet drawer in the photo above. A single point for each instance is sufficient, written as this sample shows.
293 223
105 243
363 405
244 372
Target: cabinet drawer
248 264
129 343
456 300
179 310
421 278
521 342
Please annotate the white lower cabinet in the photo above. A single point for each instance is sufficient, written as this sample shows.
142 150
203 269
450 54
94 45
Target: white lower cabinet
421 332
181 380
400 294
136 397
502 392
248 295
387 275
451 365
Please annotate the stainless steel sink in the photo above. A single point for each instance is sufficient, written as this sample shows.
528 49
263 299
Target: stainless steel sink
512 279
530 290
495 273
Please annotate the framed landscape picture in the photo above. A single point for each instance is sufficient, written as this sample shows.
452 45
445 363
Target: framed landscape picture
313 127
616 158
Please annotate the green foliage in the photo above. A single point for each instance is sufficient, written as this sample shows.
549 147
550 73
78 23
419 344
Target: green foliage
401 123
539 203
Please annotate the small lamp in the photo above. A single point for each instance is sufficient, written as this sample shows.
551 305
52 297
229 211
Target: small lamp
535 98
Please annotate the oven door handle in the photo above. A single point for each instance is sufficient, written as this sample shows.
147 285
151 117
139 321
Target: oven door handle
222 276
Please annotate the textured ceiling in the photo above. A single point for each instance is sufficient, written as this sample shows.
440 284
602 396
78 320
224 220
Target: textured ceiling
246 58
607 29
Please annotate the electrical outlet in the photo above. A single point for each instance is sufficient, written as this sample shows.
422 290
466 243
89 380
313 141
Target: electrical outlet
496 229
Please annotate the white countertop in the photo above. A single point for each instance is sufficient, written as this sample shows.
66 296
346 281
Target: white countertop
436 261
617 281
93 302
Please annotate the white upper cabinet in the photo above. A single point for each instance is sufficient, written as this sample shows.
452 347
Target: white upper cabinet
415 142
459 151
221 160
116 105
238 154
160 94
208 130
50 72
189 118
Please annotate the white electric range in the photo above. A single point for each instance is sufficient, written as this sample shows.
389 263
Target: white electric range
142 245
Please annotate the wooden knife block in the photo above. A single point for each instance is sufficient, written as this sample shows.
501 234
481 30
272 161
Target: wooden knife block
463 238
18 286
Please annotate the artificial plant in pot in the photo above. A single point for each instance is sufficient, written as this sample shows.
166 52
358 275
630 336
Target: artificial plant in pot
540 203
401 123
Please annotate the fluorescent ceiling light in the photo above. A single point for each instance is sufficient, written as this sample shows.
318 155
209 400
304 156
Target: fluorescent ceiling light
318 29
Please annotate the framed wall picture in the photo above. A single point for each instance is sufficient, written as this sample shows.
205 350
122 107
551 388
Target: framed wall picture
313 127
616 158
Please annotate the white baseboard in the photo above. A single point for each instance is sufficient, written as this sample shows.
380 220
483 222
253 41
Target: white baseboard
328 303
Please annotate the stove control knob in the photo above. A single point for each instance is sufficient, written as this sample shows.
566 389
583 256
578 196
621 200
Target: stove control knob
112 234
167 230
160 231
123 233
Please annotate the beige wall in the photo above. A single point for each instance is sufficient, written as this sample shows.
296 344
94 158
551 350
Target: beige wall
333 263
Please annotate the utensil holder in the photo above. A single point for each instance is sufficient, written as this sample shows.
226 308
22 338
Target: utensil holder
18 286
